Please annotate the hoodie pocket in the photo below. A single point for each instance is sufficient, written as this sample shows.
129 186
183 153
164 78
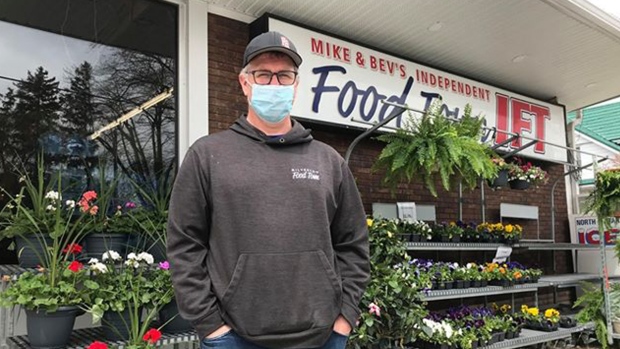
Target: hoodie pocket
281 293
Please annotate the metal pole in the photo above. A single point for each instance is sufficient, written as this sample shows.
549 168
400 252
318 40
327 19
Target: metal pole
395 112
500 131
553 192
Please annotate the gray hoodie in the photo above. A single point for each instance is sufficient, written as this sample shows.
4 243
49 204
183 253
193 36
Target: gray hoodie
268 235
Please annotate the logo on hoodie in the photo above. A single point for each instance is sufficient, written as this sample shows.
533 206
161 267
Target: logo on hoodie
305 173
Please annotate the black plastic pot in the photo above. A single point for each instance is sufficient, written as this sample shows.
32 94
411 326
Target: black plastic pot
566 322
476 283
466 283
458 284
177 324
50 330
456 239
519 184
99 243
30 249
116 326
501 180
445 238
415 237
510 335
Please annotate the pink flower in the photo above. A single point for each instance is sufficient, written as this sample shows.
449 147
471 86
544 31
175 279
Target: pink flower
130 205
374 309
164 265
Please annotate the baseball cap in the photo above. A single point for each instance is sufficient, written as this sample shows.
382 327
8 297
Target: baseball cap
270 41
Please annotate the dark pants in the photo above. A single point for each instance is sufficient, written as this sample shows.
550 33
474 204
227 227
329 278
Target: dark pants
230 340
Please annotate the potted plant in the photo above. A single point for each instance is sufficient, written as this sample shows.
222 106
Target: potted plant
122 288
512 233
593 302
51 294
604 200
501 178
522 175
31 215
434 147
392 306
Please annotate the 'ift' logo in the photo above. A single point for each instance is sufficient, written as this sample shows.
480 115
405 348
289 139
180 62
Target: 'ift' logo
305 173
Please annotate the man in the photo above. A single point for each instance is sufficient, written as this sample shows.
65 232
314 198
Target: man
267 235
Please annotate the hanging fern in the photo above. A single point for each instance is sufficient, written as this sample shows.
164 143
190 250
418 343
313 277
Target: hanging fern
435 147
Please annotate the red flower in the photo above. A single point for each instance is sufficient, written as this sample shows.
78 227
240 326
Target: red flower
98 345
93 210
73 249
152 335
75 266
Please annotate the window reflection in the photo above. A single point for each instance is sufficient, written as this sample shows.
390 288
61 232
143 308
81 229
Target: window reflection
69 68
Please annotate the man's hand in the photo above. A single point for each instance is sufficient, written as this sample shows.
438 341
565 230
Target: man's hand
220 331
341 326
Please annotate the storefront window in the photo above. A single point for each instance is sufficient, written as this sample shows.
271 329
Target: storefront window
68 71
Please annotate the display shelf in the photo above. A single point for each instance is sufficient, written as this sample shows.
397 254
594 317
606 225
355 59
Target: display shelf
81 339
452 246
437 295
531 337
549 246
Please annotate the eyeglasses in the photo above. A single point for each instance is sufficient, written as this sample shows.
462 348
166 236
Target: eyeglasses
284 77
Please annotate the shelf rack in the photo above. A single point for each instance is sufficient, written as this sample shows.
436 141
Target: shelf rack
437 295
530 337
81 339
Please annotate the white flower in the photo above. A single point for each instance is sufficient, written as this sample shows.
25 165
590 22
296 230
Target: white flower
70 203
146 257
9 206
132 256
93 261
99 268
132 263
51 208
113 255
52 195
22 179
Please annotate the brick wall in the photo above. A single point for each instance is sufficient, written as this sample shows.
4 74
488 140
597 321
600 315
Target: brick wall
227 40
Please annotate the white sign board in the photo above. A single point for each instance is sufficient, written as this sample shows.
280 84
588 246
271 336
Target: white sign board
406 211
584 230
344 83
502 254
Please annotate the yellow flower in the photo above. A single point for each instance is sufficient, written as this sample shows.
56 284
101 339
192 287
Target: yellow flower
369 222
524 308
533 311
550 313
505 308
452 224
517 275
390 234
494 306
509 228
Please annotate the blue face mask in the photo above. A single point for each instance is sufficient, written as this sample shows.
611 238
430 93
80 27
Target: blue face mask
272 103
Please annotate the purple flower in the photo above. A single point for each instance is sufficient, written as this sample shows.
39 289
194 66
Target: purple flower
164 265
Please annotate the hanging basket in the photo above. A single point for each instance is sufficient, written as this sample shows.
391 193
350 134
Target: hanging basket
501 180
519 184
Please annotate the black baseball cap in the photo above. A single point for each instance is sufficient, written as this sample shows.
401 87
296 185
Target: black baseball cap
271 41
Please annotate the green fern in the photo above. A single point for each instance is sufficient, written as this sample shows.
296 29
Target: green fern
435 148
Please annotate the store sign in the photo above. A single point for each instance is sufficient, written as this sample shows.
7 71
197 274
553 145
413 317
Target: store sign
343 83
587 231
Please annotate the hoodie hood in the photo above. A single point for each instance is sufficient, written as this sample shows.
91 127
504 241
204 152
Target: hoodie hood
297 134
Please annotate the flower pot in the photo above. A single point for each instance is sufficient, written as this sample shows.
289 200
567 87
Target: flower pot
404 237
458 284
434 285
30 249
510 335
177 324
441 285
456 239
519 184
116 326
445 238
567 322
415 237
502 336
449 285
466 283
50 330
423 238
501 180
474 345
484 283
99 243
475 283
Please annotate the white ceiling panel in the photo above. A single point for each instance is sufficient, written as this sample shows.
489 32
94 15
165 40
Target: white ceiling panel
572 50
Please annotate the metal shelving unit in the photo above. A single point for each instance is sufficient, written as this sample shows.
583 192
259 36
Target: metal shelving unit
452 246
81 339
530 337
437 295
